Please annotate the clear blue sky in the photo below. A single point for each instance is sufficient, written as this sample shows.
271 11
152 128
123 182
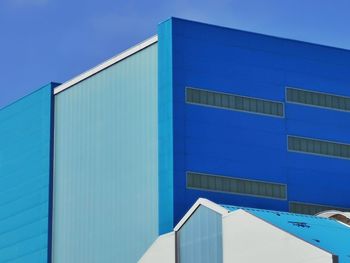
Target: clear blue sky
54 40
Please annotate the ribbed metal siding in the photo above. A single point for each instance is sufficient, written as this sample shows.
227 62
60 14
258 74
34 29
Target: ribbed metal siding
24 178
106 185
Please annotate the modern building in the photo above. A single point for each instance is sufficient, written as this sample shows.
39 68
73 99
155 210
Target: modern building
211 233
94 169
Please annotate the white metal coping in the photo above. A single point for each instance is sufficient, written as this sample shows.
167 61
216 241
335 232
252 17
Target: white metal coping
201 201
106 64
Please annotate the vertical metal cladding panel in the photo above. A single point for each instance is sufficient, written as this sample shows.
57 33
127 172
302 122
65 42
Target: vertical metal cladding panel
200 239
25 128
106 164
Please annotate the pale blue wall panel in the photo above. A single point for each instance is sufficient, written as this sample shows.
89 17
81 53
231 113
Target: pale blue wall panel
200 238
25 129
106 164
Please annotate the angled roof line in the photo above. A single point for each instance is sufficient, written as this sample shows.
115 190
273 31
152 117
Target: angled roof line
106 64
201 201
327 46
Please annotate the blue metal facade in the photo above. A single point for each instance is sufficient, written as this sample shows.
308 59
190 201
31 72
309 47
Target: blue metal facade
125 139
25 169
253 146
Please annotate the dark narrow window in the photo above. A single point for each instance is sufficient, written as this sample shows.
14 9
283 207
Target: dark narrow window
314 146
318 99
312 209
235 185
234 102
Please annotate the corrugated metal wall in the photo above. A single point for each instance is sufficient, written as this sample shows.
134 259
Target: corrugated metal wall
24 178
106 164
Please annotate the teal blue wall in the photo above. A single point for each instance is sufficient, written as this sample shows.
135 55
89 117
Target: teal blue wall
106 164
165 135
24 178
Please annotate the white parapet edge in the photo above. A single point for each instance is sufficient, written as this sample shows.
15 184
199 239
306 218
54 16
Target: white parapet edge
106 64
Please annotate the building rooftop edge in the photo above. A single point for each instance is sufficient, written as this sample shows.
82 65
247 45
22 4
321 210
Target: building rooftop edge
263 34
146 43
52 84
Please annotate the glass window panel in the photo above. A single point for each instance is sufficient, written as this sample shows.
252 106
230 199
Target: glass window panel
312 209
189 95
217 99
260 106
267 107
246 104
239 103
303 145
310 145
210 98
253 106
240 185
280 110
318 99
225 184
203 97
274 110
218 183
247 187
191 181
232 102
262 189
255 188
204 181
336 150
347 105
319 147
322 100
234 185
328 101
276 190
195 96
342 103
335 102
324 147
211 182
343 151
224 100
315 99
302 96
308 98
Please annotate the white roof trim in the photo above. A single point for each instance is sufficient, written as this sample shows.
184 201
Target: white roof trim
106 64
201 201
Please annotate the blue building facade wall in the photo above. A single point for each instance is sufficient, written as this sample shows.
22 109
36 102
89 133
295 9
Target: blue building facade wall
25 171
240 144
106 164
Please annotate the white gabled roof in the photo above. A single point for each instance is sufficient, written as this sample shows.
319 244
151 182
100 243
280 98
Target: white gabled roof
106 64
201 201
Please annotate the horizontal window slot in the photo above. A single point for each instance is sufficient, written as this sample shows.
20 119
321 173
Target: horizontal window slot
320 147
312 209
234 102
318 99
235 185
